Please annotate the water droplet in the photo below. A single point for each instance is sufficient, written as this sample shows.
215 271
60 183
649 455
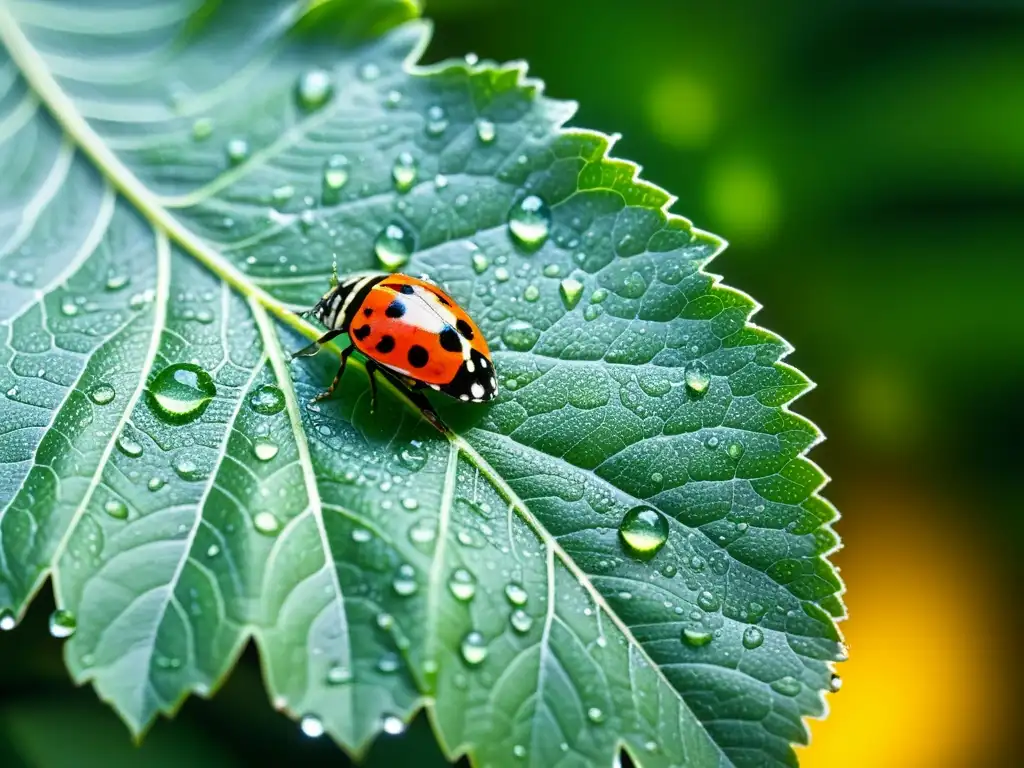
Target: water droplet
405 583
598 296
708 601
339 674
735 450
711 442
787 686
187 469
117 282
752 638
266 523
127 445
237 151
369 72
571 290
393 99
404 172
202 128
181 392
385 621
102 394
312 726
314 89
835 683
521 621
156 483
437 121
440 181
501 274
532 293
393 247
116 509
63 623
520 335
530 222
361 535
7 620
519 751
212 551
266 399
696 637
474 648
282 194
69 308
515 593
595 715
696 377
414 456
264 449
422 533
388 663
392 725
643 531
335 177
485 130
462 584
409 504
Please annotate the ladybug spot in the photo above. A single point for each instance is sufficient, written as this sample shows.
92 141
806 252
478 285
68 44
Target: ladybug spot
395 309
442 299
406 289
418 356
367 311
450 340
386 344
464 328
361 332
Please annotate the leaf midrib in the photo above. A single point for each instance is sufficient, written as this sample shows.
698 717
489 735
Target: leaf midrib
36 73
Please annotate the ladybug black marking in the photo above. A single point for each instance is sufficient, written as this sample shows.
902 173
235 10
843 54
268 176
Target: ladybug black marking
450 339
386 344
464 328
395 309
361 332
418 356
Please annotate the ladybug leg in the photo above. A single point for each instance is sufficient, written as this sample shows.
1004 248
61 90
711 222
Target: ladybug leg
371 372
417 398
313 348
341 371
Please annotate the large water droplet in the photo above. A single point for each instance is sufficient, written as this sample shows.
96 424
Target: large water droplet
414 456
314 89
787 686
485 130
312 726
515 593
474 648
462 584
393 247
266 523
532 293
403 172
752 638
422 533
696 637
643 531
264 449
181 392
696 377
102 394
335 177
835 683
127 445
530 222
571 290
63 623
266 399
7 620
520 335
735 450
187 469
237 151
708 601
405 583
116 509
521 621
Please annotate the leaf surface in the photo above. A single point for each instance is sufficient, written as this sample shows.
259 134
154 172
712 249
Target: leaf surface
178 177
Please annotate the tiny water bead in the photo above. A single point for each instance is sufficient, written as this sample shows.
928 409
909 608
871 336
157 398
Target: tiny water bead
643 531
529 222
403 172
414 456
787 686
237 151
520 335
437 121
335 177
181 392
369 72
202 128
264 449
532 293
117 282
595 715
314 89
392 725
127 445
102 394
405 583
752 638
696 637
8 621
388 663
266 523
474 648
835 683
696 377
339 674
116 509
266 399
187 469
312 726
393 247
515 593
735 450
485 130
462 585
521 621
62 623
570 290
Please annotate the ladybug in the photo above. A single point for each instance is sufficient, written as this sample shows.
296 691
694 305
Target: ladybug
411 332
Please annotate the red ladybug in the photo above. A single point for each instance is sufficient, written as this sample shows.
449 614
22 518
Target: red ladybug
412 332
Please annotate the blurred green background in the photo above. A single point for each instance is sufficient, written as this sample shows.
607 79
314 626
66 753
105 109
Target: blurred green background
866 162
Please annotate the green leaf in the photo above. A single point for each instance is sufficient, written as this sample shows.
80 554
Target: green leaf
177 177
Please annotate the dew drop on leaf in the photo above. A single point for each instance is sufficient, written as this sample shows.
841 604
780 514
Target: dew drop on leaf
62 623
598 296
361 535
521 621
181 392
187 469
515 593
422 533
388 663
266 399
696 377
485 130
212 551
474 648
369 72
752 638
266 523
519 751
264 449
237 151
595 715
7 620
462 584
117 282
282 194
409 504
202 128
405 583
643 531
335 177
501 275
437 121
403 172
392 725
532 293
570 290
385 621
708 601
314 89
393 247
339 674
696 637
529 222
116 509
102 394
127 445
735 450
787 686
835 683
520 335
312 726
156 483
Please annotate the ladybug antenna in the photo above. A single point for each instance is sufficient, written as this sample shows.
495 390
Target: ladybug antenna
334 271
